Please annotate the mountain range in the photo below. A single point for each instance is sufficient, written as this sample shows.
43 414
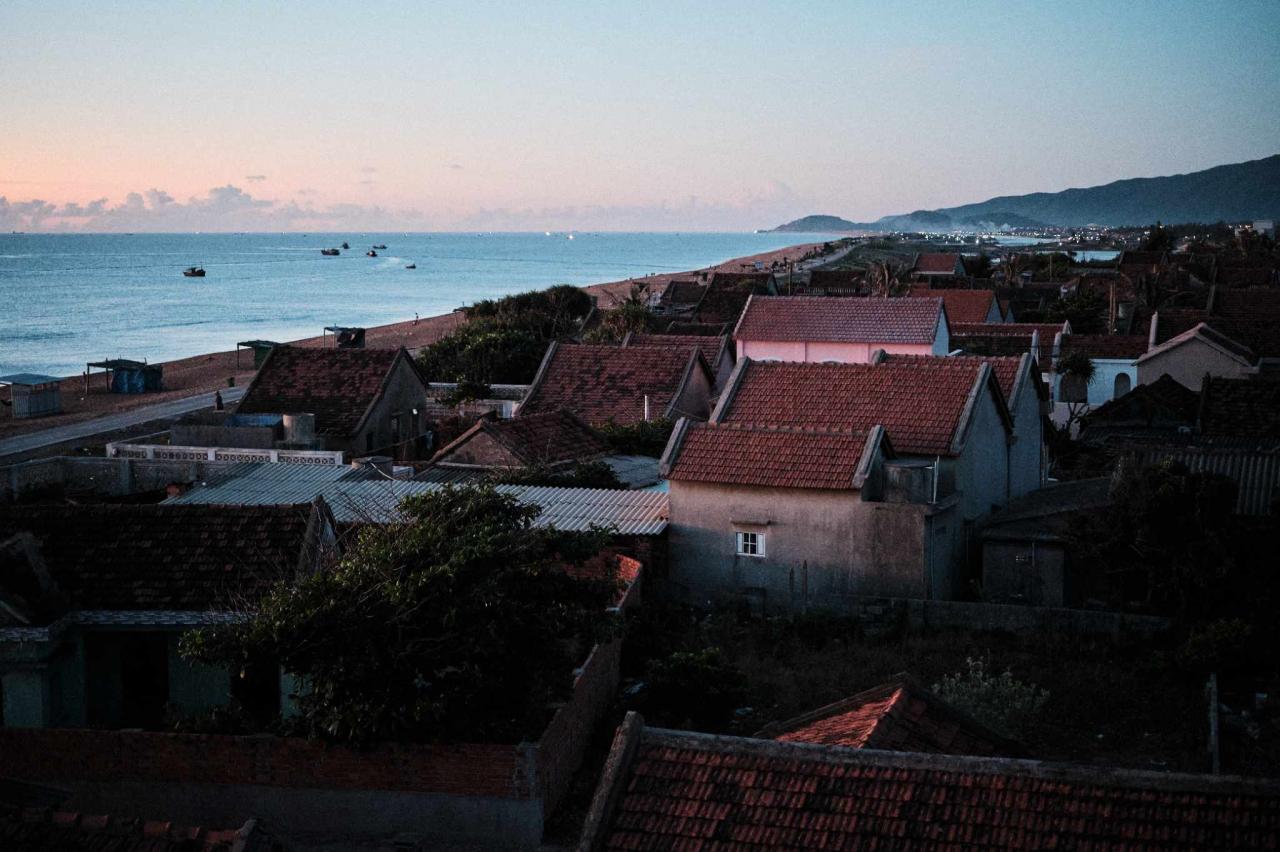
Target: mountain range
1231 193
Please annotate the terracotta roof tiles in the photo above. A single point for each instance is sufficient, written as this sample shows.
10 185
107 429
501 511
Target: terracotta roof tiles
778 458
710 347
1115 346
336 385
548 438
676 790
962 305
936 263
608 384
919 405
788 318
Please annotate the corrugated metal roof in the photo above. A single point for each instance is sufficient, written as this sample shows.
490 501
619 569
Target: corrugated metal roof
1255 472
376 500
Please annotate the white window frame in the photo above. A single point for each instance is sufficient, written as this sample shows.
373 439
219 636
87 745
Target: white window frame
740 540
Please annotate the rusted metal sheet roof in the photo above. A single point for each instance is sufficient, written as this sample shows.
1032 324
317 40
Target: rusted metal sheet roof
1255 472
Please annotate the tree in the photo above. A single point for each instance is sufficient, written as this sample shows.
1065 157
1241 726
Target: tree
459 623
885 279
1075 371
1085 309
1159 238
1000 700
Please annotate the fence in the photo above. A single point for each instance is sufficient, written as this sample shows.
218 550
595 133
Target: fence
166 452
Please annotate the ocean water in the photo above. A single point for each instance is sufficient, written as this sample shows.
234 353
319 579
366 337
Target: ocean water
72 298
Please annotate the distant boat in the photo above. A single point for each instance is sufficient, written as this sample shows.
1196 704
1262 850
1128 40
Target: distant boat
371 253
380 246
194 272
345 246
412 266
330 252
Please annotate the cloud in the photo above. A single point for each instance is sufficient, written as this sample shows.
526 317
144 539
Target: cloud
255 178
222 208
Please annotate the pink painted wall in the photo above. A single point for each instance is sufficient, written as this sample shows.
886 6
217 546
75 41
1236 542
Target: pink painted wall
814 353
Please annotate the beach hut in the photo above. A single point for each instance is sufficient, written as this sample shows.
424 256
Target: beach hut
33 394
128 376
261 349
346 337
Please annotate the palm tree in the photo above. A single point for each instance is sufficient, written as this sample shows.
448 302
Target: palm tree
885 279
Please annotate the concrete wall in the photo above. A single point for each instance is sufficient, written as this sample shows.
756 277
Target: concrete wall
195 687
694 401
1102 387
941 338
105 477
816 543
1027 456
982 469
404 392
1032 573
207 435
1188 363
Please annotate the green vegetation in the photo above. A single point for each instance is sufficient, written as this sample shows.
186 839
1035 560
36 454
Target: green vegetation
590 474
1003 702
504 341
458 624
645 438
1086 311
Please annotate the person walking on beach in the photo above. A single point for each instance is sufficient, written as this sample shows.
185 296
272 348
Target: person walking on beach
217 400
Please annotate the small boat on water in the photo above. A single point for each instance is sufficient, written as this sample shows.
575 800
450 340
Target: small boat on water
194 272
330 252
371 253
380 246
412 266
345 246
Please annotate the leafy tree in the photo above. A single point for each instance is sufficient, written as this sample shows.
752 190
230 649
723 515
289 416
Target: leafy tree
1076 372
459 623
1159 238
1085 310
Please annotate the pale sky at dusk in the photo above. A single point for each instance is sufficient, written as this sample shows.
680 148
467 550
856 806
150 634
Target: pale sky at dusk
607 116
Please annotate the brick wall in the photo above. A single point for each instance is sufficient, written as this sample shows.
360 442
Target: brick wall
62 755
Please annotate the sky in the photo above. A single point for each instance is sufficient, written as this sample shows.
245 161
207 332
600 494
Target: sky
176 116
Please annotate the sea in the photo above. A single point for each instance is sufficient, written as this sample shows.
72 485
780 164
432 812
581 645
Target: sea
72 298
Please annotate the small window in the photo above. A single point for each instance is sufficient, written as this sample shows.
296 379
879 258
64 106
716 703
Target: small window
1122 385
750 544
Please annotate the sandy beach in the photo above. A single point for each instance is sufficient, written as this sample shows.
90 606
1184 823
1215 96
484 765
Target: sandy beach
204 373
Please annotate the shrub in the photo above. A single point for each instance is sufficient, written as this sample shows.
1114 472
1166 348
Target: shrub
646 438
1000 700
697 688
591 474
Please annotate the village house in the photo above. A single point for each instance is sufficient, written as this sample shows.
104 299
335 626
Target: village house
551 440
93 599
846 331
728 292
363 401
930 266
815 482
1235 334
679 299
1115 368
1159 412
717 350
964 306
1027 399
621 385
1199 351
666 789
899 715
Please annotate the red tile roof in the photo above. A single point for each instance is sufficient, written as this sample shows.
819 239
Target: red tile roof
920 405
962 305
728 292
43 829
1006 338
608 384
1006 367
164 557
900 715
1117 346
936 263
839 320
675 790
1247 409
778 458
710 347
549 438
336 385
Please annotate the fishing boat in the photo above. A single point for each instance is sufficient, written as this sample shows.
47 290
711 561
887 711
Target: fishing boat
345 246
412 266
380 246
194 272
330 252
371 253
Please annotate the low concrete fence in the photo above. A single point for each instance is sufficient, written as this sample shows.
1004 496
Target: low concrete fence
880 615
167 452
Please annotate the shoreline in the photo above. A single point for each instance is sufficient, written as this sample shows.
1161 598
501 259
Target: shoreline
205 373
